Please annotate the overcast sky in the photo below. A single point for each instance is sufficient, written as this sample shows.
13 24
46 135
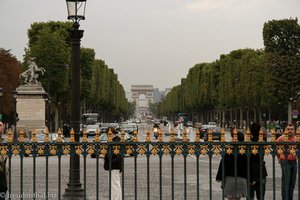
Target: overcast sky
152 41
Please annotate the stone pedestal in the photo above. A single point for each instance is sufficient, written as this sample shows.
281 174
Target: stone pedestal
30 105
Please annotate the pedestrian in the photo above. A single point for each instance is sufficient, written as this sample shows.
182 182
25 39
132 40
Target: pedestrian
258 170
234 183
113 163
288 163
3 170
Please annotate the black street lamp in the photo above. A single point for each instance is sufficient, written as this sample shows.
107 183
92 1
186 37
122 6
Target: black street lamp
15 95
76 12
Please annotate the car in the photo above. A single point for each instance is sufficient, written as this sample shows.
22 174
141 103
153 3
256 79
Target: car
91 129
216 133
189 124
128 128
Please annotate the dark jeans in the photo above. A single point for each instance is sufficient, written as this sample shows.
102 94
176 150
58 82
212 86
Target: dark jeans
288 179
256 188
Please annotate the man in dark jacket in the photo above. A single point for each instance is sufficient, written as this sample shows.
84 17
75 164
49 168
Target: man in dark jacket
258 171
113 163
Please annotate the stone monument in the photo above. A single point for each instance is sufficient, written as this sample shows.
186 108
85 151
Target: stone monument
31 100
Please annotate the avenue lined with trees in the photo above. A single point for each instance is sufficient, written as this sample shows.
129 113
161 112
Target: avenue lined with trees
246 84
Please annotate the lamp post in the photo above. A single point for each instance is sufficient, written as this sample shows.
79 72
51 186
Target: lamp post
1 95
15 95
76 11
48 99
59 115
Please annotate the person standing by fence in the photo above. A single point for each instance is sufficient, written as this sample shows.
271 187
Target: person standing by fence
113 163
258 170
3 170
235 179
288 163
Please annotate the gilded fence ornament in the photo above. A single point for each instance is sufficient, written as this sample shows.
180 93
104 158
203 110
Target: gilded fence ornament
209 135
47 135
280 149
135 139
147 136
97 135
235 135
40 149
172 135
160 133
254 149
78 149
178 149
298 134
197 138
261 135
84 136
273 135
53 150
129 149
33 138
15 149
28 149
229 149
90 149
204 149
59 135
21 138
3 150
248 135
72 139
122 135
216 149
191 149
267 149
154 150
166 149
142 149
9 137
286 137
103 150
292 149
222 135
184 137
66 149
242 149
109 135
116 149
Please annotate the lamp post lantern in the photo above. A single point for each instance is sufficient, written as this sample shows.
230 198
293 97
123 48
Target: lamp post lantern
76 12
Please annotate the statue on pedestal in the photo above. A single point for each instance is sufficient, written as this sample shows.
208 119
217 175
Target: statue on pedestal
30 75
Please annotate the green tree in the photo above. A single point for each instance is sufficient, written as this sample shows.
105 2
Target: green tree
10 69
282 46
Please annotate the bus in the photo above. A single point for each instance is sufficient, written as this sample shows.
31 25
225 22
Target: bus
89 118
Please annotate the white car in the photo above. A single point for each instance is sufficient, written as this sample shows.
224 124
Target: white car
91 129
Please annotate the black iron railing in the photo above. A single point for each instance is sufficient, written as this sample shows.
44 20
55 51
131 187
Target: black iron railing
151 170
